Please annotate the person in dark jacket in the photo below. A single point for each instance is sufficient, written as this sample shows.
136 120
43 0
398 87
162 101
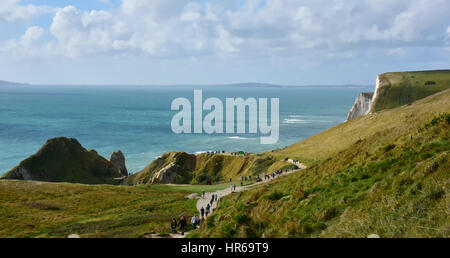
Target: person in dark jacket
173 225
202 212
182 224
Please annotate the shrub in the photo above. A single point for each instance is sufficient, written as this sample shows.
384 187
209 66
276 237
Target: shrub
437 119
275 195
389 147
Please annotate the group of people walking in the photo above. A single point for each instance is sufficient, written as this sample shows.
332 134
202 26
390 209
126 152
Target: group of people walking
195 221
204 212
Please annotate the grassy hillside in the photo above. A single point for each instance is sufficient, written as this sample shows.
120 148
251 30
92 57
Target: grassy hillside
387 173
384 125
198 169
396 89
36 209
65 160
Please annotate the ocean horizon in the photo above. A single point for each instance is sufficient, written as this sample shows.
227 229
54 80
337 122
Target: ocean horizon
136 119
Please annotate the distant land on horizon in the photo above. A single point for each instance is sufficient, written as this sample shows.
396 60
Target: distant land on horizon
7 83
246 84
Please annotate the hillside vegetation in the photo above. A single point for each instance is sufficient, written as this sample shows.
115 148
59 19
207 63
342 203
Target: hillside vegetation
396 89
183 168
38 209
385 174
384 126
65 160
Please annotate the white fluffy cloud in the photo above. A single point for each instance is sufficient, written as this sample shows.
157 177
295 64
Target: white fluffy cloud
13 11
190 28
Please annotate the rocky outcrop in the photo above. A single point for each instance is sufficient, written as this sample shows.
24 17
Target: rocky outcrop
166 175
65 160
362 105
170 168
19 173
118 160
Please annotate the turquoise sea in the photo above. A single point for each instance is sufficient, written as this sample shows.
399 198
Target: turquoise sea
136 119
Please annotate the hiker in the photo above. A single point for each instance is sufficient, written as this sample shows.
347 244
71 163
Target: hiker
182 224
203 194
234 187
173 225
202 212
212 200
208 207
245 178
195 220
216 197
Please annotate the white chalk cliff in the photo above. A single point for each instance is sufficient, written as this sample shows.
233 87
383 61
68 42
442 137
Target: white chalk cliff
362 105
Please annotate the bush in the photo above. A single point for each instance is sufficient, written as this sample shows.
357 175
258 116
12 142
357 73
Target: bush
275 195
389 147
437 119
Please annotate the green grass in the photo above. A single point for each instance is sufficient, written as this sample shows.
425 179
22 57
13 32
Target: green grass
199 169
393 182
65 160
190 188
384 125
402 88
35 209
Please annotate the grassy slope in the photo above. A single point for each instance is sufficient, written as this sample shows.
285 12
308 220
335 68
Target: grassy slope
401 88
384 125
198 169
389 176
36 209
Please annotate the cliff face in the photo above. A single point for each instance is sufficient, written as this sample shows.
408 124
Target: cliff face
65 160
361 106
172 167
401 88
396 89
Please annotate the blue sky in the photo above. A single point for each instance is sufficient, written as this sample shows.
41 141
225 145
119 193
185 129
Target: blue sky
294 42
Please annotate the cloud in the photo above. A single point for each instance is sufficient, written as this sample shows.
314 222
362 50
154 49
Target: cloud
187 29
11 11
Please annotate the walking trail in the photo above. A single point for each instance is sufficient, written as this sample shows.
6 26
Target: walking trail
203 201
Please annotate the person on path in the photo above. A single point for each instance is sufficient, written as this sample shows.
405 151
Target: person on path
173 225
202 212
216 197
182 224
195 220
208 207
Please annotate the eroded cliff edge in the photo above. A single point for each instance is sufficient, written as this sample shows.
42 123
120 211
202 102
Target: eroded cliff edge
400 88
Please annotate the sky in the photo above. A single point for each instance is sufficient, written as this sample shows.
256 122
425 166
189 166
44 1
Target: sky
288 42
